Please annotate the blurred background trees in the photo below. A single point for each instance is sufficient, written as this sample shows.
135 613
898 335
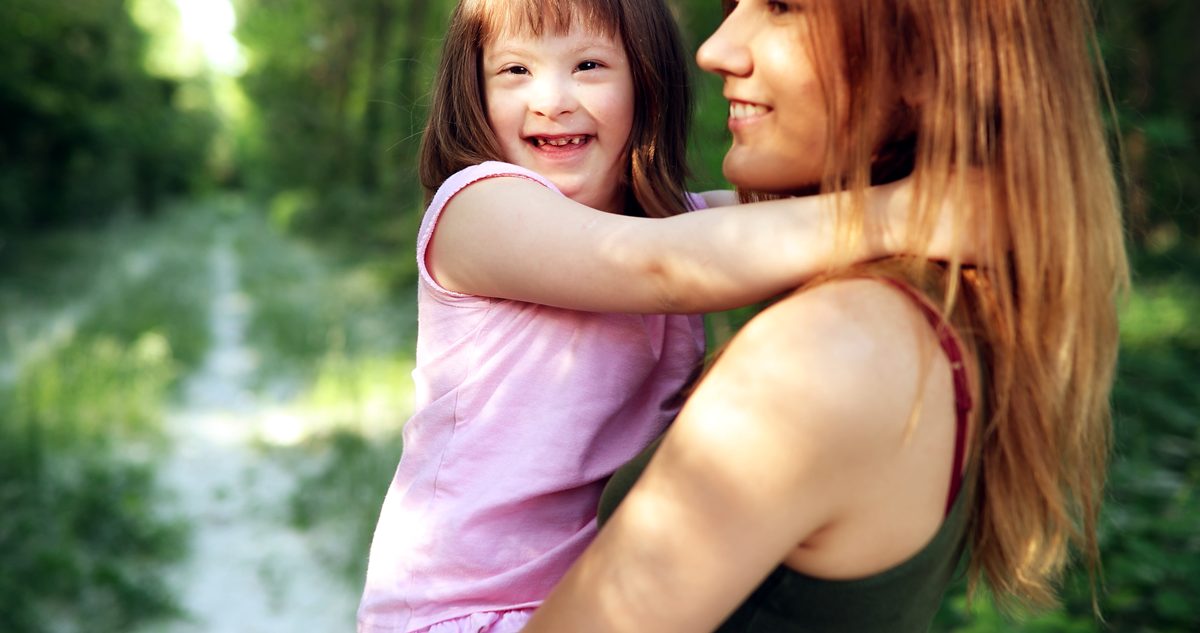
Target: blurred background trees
84 129
108 116
324 122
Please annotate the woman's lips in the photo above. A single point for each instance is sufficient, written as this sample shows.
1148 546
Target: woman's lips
743 113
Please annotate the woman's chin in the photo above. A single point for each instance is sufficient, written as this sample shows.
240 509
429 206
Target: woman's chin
766 174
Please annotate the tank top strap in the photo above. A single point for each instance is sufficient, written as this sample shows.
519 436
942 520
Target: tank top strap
962 386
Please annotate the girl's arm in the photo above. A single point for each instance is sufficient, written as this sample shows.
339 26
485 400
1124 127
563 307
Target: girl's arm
511 238
799 426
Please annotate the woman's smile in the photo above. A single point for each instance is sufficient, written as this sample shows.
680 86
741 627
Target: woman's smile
742 113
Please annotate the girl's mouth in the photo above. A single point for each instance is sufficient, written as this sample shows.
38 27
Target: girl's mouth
559 143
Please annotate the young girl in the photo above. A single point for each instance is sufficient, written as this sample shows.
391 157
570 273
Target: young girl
545 355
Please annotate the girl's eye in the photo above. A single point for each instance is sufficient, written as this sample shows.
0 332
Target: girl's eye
515 70
588 65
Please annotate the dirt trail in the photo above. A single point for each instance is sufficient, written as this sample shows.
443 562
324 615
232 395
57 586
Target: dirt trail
249 570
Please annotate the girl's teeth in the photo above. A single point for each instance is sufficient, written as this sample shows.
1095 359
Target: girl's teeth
745 110
561 142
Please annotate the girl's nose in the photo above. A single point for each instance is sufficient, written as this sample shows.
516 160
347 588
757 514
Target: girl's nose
553 97
725 52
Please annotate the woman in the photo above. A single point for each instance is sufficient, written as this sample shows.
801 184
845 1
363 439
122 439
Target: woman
860 435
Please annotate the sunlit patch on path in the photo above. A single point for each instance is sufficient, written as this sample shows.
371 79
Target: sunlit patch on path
250 571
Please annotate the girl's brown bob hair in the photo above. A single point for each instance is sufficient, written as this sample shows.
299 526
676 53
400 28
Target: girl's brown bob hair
459 135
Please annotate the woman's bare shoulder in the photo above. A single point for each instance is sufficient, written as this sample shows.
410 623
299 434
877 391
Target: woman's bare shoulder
851 347
807 401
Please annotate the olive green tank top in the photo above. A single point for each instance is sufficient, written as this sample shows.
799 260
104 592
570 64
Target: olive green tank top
902 599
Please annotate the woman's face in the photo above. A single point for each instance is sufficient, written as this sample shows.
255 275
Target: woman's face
777 108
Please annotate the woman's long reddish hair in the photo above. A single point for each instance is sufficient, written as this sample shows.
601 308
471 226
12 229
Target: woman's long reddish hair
1011 92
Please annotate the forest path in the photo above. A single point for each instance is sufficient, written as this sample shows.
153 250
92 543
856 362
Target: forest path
249 570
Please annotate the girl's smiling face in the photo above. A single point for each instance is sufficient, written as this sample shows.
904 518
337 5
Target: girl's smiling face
778 113
562 105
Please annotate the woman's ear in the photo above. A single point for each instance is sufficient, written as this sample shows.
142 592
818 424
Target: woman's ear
916 81
913 63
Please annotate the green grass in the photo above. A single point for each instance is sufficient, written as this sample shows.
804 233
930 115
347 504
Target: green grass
121 281
310 303
356 408
81 539
99 327
343 475
335 340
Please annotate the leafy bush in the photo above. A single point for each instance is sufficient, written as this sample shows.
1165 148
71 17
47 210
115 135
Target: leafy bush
340 492
82 546
309 303
86 130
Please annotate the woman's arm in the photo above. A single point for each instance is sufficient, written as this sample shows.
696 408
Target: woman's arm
800 424
514 239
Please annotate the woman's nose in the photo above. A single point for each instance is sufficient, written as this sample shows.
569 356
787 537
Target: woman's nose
725 52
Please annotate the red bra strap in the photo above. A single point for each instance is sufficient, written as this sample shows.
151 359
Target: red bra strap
962 386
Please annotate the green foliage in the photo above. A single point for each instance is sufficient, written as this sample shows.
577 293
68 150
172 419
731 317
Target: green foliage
331 336
84 130
311 305
1150 52
171 302
337 91
345 475
89 283
95 339
90 392
1151 545
82 546
710 133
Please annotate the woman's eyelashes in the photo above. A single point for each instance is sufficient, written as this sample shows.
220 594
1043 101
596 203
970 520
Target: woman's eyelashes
773 7
783 8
